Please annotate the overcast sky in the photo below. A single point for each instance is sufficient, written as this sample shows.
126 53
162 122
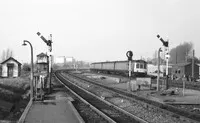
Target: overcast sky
98 30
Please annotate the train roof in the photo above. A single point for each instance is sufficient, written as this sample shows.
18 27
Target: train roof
119 61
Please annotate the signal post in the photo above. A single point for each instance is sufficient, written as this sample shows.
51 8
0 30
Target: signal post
158 76
129 54
49 44
166 45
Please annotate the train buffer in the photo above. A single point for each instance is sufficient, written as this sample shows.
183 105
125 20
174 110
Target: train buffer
54 108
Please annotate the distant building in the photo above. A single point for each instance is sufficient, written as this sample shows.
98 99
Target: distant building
153 69
69 59
63 61
178 70
11 68
59 60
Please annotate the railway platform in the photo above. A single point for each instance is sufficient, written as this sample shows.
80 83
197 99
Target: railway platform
55 108
190 96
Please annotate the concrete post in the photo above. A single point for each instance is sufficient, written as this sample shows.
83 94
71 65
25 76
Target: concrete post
184 79
158 77
129 70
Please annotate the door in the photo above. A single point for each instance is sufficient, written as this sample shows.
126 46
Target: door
10 71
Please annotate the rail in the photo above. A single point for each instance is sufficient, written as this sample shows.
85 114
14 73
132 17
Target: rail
127 117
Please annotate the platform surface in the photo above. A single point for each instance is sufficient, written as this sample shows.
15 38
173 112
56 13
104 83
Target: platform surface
57 110
189 97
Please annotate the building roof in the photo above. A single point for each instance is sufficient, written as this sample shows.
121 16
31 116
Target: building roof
11 58
181 64
41 55
119 61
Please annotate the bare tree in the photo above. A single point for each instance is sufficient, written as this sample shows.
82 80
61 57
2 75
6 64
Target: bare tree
181 52
6 54
3 55
155 57
9 53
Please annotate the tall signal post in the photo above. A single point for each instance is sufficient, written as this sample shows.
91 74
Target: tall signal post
158 77
49 44
166 45
129 54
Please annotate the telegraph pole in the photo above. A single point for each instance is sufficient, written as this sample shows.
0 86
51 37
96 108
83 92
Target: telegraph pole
186 59
193 65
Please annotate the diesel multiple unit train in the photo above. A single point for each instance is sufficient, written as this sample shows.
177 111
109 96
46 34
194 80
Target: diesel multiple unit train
139 67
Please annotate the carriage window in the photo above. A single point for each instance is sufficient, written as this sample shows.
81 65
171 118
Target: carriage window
137 65
141 65
145 66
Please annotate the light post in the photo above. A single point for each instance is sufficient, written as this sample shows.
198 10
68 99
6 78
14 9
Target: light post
31 84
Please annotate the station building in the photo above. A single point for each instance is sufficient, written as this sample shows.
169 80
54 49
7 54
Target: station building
10 68
180 69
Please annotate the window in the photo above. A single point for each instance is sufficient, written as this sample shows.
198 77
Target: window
179 71
137 65
141 65
145 66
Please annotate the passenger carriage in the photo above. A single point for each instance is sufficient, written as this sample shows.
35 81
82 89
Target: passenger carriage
139 67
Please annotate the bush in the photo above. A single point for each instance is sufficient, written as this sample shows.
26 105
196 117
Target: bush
26 67
11 89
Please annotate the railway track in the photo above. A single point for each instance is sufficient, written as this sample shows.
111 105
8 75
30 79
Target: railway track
107 110
88 114
172 83
168 108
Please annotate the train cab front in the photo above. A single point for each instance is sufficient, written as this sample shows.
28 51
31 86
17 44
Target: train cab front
140 68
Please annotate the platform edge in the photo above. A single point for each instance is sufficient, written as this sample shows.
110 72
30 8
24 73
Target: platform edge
76 113
24 114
